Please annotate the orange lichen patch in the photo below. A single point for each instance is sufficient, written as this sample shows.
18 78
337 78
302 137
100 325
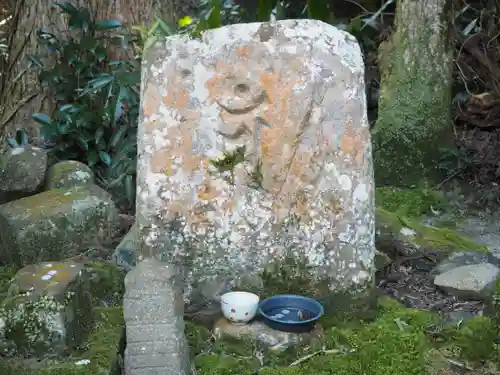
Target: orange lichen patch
234 121
177 96
205 164
191 162
242 51
161 161
216 85
301 161
229 205
352 144
206 191
181 146
151 100
278 90
270 140
172 209
283 129
269 82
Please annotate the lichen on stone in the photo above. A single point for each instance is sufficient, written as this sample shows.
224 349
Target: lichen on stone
29 325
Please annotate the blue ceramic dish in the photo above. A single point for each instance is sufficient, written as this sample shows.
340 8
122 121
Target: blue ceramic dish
290 312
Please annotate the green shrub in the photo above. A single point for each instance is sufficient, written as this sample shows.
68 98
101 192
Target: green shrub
96 95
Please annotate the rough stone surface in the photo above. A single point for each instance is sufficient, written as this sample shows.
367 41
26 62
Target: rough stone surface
56 224
464 259
68 173
153 309
254 145
264 336
23 173
47 310
125 254
475 281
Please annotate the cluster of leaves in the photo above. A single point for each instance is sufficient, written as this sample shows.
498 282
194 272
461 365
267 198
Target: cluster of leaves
97 99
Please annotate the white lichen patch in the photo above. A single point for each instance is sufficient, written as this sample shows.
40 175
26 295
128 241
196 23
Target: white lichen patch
80 175
408 232
82 362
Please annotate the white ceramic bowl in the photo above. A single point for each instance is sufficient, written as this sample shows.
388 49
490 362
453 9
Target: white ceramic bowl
239 307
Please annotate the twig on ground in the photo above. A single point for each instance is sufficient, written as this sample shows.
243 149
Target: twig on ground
459 364
309 356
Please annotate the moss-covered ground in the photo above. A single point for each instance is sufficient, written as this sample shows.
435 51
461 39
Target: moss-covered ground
398 341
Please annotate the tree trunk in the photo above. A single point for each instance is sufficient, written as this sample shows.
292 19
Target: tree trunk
414 121
20 94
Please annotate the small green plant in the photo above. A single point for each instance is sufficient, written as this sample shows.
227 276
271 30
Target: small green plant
97 97
225 165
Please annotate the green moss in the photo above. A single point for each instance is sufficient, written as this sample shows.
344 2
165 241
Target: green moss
409 202
426 237
213 364
394 343
68 173
475 339
50 200
100 349
229 161
107 284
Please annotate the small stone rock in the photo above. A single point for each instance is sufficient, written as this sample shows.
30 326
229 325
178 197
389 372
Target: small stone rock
125 253
56 224
68 173
475 281
266 337
460 259
47 310
23 174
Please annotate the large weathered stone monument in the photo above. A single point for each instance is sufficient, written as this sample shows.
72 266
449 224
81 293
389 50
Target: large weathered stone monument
254 146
